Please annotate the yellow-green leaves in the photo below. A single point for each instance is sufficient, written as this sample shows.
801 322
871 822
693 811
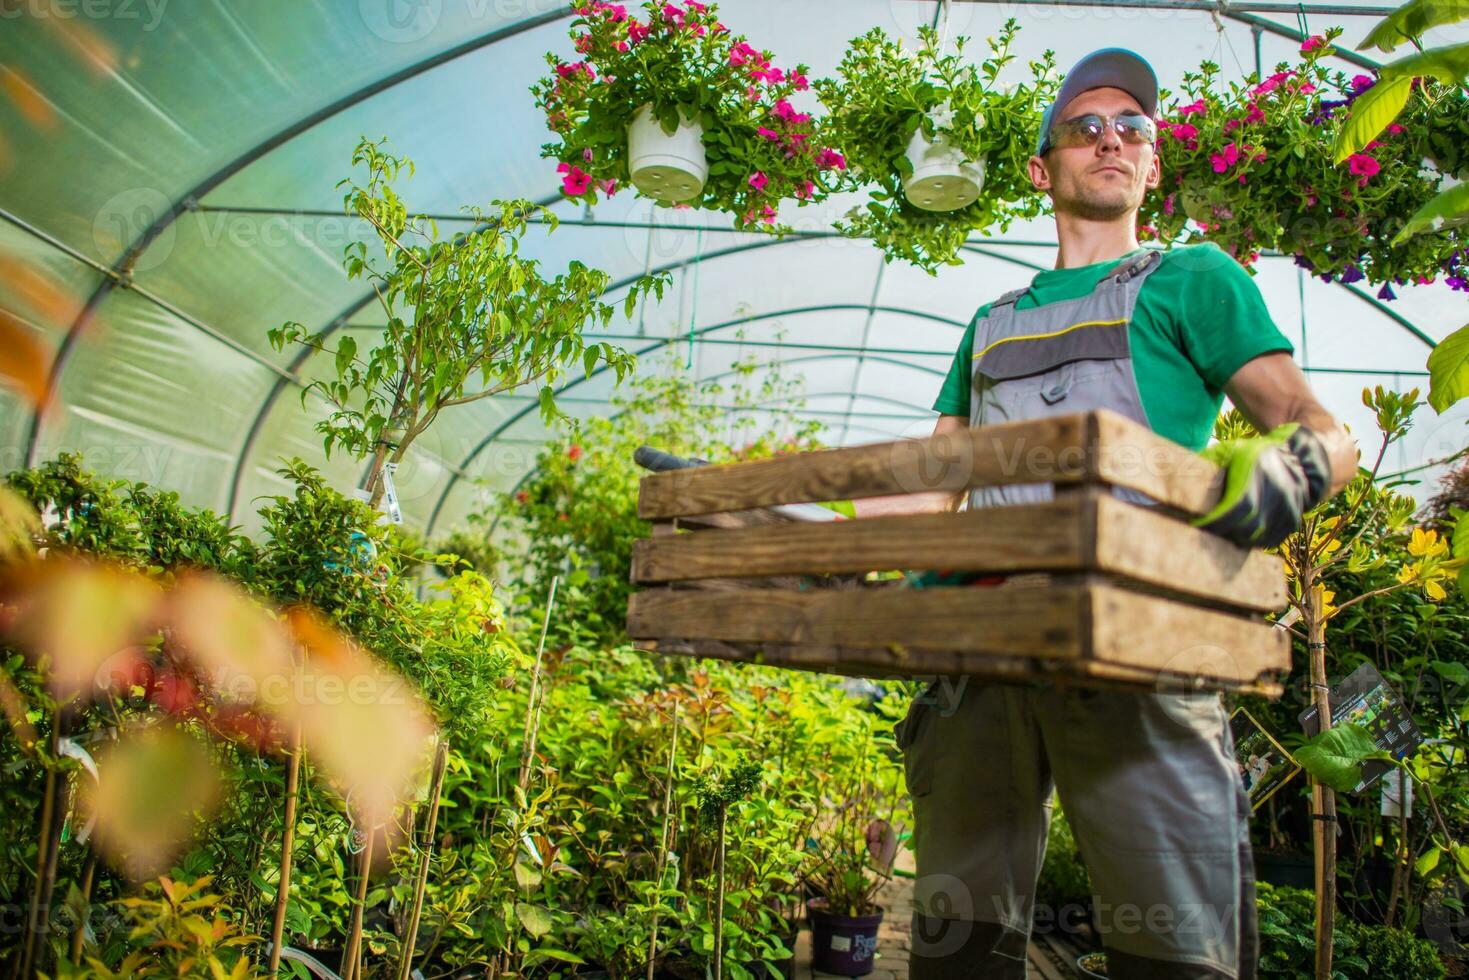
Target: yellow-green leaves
1371 113
1411 20
1450 207
1448 368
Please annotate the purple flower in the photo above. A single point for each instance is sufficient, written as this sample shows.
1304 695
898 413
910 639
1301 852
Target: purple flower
1458 283
1386 293
1352 274
1305 263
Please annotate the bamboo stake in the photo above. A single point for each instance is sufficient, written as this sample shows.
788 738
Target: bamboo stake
48 843
288 845
441 762
533 706
354 936
78 938
663 843
719 897
1323 800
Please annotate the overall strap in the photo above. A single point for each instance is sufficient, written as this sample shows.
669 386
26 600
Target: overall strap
1138 267
1009 299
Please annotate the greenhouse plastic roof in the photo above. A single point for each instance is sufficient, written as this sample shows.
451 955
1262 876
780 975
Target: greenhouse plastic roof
173 165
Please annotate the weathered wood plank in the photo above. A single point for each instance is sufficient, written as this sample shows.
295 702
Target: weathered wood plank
1042 536
1092 447
1049 450
1142 544
1137 630
1016 622
1131 455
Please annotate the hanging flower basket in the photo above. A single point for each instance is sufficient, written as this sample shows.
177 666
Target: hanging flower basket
943 177
1251 167
668 167
940 144
683 111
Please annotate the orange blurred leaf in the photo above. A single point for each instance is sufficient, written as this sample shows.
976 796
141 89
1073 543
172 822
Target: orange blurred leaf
51 304
19 525
75 614
361 722
96 54
27 99
233 641
14 706
153 786
24 363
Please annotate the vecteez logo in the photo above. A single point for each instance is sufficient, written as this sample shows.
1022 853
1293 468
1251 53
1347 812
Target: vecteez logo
401 21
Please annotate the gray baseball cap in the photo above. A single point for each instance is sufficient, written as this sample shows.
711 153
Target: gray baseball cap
1107 68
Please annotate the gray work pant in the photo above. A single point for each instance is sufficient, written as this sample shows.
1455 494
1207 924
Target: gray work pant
1155 801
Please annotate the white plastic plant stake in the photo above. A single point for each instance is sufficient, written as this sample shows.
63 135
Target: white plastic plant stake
666 168
942 179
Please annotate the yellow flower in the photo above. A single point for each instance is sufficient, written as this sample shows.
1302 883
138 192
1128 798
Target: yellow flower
1426 544
1407 573
1434 590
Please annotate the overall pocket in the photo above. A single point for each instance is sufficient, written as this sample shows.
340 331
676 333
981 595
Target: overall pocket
914 735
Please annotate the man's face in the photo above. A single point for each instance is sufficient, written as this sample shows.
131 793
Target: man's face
1103 181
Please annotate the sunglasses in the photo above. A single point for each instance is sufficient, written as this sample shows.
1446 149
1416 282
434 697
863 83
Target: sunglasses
1130 127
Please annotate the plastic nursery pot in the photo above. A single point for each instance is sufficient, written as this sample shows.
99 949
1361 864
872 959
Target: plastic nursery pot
942 179
1092 965
843 944
663 167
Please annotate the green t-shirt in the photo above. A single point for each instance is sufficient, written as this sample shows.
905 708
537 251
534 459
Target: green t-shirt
1199 318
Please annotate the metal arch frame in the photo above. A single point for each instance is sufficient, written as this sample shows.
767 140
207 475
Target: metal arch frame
523 412
120 272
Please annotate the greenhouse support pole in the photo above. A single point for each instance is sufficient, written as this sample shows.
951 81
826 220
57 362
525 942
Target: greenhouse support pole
1323 799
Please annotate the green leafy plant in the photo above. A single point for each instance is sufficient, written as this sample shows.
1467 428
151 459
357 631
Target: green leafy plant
466 318
883 93
685 64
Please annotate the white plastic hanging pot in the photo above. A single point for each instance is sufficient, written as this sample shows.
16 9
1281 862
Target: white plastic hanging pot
942 179
663 167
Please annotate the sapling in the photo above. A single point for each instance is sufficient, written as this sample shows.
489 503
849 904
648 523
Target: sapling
466 319
716 796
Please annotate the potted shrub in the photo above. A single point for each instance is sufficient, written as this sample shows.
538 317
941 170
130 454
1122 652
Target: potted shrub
685 111
1252 168
940 144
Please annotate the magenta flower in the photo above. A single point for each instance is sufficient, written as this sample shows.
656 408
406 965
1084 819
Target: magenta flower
1183 131
637 32
609 186
584 44
576 182
1361 83
784 110
768 73
1363 166
799 81
1313 43
695 5
829 159
769 134
1307 88
1255 114
742 53
1232 125
758 180
1168 204
805 191
767 215
1394 129
1193 109
1223 161
672 13
622 46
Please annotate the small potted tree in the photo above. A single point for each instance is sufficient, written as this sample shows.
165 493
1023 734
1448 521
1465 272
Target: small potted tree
940 143
852 849
685 111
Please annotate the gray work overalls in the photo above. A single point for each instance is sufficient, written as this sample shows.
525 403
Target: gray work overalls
1148 781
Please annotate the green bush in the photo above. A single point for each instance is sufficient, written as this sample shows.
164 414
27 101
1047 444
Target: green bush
1398 953
1063 879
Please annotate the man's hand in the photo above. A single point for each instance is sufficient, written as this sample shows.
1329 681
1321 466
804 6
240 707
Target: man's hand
1270 482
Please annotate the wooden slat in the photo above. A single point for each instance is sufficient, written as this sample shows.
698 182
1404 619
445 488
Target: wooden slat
1015 622
1013 452
886 664
1136 630
1042 536
1131 455
1130 540
1142 544
1093 447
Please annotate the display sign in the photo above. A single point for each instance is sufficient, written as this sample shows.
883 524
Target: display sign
1264 764
1365 698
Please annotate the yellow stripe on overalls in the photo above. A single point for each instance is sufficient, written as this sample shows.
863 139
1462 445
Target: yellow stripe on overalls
1055 333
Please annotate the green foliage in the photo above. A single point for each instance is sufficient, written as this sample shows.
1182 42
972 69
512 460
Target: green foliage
466 318
883 94
1448 369
1063 880
1397 953
1409 21
575 515
1335 756
1287 919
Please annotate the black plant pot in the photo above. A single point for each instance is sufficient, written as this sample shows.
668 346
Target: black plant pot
784 969
843 944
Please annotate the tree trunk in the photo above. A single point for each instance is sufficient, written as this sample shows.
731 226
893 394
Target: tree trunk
1323 800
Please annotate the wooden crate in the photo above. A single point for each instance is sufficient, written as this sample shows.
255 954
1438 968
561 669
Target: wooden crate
1097 591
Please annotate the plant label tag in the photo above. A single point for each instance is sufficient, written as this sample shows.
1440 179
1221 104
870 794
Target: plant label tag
840 944
390 495
1397 794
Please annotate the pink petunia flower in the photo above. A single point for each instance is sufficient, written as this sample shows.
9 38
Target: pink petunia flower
805 191
1313 43
1183 131
767 215
1363 167
1193 109
829 159
1223 161
622 46
1307 88
576 182
742 53
637 32
1361 83
758 180
799 81
1394 129
1168 204
609 186
1232 125
1255 114
770 134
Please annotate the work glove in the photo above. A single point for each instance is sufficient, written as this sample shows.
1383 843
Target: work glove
1269 484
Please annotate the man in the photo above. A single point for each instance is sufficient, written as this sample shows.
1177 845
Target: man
1148 781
